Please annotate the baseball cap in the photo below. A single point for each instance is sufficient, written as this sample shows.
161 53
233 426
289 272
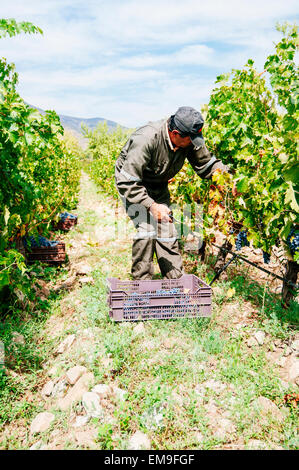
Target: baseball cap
190 122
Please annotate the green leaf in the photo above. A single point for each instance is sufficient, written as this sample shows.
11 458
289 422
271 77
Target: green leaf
242 202
290 197
13 127
6 215
291 173
283 157
4 278
29 137
242 184
286 229
246 142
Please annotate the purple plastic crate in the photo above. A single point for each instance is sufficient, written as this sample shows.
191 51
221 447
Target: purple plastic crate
187 297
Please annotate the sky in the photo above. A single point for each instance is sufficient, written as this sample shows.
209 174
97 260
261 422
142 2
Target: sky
132 61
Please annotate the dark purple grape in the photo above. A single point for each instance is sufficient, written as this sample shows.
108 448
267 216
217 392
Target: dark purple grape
66 215
266 257
293 240
241 240
38 242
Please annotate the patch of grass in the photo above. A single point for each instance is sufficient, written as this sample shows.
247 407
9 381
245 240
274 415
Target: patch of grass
164 367
23 361
91 218
105 436
12 389
213 342
119 347
269 304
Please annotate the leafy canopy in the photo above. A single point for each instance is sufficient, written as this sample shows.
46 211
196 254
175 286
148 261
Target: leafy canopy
10 27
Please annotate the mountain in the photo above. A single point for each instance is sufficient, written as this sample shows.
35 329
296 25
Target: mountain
73 124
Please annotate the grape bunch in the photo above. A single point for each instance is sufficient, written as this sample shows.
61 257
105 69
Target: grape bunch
241 240
33 242
266 257
173 291
293 240
66 215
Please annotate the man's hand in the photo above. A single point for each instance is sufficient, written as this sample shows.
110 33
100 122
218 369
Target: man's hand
160 212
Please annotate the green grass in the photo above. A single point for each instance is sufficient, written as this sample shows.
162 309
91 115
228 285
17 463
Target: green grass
161 379
26 318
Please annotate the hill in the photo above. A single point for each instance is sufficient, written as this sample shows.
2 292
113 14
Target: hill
73 124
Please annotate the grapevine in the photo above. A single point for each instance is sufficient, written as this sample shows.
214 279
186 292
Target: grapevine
257 140
252 128
40 168
103 150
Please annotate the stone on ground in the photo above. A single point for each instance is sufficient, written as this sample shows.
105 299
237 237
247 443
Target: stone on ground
86 438
287 351
102 390
41 422
214 385
48 388
91 404
255 444
199 437
75 373
60 388
88 333
138 329
260 337
224 429
281 362
76 392
119 393
295 345
83 268
39 446
294 371
252 342
44 290
66 343
81 421
168 343
266 407
53 371
86 280
17 338
67 284
139 441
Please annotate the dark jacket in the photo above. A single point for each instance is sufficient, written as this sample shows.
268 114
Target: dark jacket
148 161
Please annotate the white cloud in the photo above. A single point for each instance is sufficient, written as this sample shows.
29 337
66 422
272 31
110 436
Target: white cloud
160 100
195 54
94 78
134 60
173 21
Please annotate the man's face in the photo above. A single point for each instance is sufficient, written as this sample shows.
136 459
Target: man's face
178 140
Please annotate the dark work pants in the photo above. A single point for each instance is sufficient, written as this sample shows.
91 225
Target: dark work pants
153 237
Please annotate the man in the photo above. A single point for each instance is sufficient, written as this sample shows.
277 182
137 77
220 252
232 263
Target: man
154 154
